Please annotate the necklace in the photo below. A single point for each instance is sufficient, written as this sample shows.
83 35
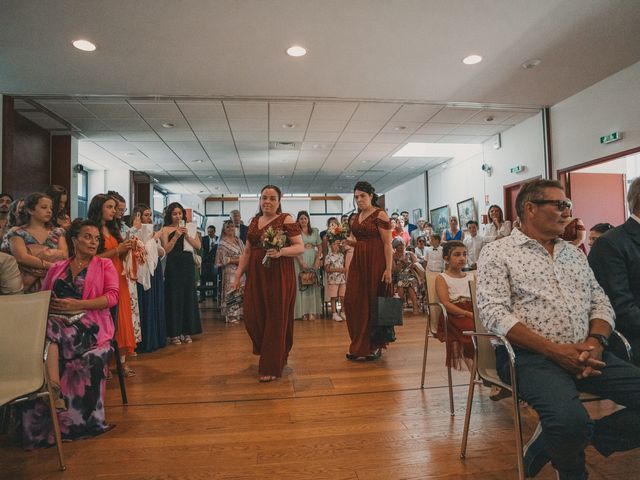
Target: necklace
80 264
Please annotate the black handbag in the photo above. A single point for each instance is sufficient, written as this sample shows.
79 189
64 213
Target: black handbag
386 310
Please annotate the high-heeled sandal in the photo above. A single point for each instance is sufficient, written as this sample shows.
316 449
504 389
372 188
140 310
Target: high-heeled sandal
266 378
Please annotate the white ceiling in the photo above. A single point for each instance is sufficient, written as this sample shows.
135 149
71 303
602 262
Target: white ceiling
218 71
237 146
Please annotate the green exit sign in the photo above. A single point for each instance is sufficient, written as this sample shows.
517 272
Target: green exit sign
612 137
517 169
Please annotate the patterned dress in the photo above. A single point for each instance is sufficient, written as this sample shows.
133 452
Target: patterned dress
47 251
226 251
83 364
269 299
309 297
363 285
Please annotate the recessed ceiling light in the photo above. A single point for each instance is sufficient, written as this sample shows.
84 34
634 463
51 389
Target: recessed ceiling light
288 125
216 188
168 125
533 63
130 154
363 161
489 119
296 51
400 128
472 59
84 45
198 161
283 176
209 176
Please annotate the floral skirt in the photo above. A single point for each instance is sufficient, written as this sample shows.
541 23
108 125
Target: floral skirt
83 367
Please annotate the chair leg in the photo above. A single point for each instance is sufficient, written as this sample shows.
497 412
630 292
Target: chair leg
450 391
517 423
123 389
424 355
467 415
56 425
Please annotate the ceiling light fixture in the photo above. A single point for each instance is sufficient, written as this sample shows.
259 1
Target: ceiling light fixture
533 63
489 119
472 59
296 51
198 161
288 125
400 128
209 176
168 125
84 45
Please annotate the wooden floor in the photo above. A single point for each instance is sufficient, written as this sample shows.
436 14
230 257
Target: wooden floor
197 412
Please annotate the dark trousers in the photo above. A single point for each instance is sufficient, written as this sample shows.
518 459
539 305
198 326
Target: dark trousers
566 426
208 273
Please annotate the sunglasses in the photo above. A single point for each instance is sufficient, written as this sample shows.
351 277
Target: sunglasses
561 205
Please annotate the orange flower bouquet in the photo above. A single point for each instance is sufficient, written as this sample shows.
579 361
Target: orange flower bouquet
272 238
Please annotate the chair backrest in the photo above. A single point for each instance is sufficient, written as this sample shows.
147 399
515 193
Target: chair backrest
434 310
23 327
484 348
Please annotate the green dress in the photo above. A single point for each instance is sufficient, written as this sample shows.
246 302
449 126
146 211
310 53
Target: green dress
308 301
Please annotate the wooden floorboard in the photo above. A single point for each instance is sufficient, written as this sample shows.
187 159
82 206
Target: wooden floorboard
197 412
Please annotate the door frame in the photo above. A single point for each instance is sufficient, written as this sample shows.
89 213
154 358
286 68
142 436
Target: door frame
563 173
506 188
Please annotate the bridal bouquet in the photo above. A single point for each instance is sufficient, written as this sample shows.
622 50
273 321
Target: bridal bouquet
272 238
337 232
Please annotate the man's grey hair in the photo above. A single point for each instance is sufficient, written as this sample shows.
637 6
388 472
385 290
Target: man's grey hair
233 212
633 196
533 190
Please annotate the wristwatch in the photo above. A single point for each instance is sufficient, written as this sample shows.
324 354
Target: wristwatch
602 340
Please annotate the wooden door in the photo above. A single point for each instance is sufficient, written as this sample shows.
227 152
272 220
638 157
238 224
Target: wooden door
598 197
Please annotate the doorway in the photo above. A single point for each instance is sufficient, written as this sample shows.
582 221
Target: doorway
510 194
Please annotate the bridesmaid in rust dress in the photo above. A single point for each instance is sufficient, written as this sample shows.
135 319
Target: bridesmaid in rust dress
270 292
371 265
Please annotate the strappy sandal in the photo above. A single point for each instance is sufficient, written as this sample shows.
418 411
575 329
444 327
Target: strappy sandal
187 339
127 371
175 341
266 378
374 356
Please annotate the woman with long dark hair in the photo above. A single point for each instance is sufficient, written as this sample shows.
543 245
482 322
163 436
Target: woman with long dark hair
59 196
36 244
308 297
369 273
270 292
102 211
150 283
498 227
180 295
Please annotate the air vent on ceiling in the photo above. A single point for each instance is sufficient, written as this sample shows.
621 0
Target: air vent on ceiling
371 171
283 146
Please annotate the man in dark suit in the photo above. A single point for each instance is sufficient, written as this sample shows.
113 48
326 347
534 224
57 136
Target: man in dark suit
408 227
615 260
208 268
241 228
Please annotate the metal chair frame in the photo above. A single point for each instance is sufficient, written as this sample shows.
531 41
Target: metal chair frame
480 335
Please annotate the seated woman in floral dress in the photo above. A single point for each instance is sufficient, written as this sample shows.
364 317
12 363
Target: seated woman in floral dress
80 329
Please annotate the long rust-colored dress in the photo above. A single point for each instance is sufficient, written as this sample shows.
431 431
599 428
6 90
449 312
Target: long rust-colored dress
363 282
269 299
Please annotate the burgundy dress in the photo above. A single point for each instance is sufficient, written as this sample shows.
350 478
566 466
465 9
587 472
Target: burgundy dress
269 299
363 283
571 233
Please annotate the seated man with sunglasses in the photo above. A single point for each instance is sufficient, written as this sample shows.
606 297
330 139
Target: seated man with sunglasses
538 291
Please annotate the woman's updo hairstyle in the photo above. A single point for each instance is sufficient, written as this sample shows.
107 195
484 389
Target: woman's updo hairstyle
367 188
74 230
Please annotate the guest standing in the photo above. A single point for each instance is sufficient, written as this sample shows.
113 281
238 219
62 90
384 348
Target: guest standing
308 297
371 266
208 270
79 352
336 279
473 242
102 211
59 197
270 293
498 227
36 245
181 298
241 228
348 249
453 232
150 284
597 231
405 279
5 204
227 258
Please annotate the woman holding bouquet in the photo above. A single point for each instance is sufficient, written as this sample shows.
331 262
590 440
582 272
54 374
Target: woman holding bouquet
273 240
371 266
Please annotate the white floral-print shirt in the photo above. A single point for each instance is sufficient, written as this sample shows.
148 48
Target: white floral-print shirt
555 296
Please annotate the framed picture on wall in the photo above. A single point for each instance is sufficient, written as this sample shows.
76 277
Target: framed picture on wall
466 212
417 213
440 219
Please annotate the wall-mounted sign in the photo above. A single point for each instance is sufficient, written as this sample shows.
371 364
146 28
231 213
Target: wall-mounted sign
517 169
612 137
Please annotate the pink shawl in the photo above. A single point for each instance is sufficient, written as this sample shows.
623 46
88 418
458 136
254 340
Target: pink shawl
101 279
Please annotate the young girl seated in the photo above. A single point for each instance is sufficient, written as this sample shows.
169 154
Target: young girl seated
336 279
452 287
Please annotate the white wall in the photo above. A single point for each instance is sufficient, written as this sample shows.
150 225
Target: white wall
462 179
407 197
95 183
629 165
578 122
118 180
